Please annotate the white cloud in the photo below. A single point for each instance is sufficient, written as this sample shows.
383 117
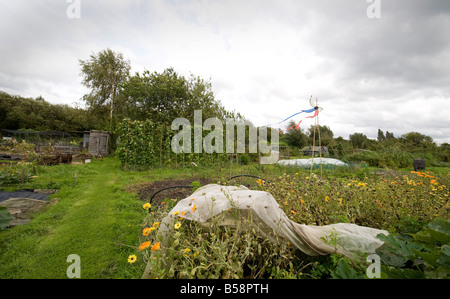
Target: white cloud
264 58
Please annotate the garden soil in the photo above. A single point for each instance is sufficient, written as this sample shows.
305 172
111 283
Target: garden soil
146 193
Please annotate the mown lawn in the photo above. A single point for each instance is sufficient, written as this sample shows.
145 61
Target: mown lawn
93 218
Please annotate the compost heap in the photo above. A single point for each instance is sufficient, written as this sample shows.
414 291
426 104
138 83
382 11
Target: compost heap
227 205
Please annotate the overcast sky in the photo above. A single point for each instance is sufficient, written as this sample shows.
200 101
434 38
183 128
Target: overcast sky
370 66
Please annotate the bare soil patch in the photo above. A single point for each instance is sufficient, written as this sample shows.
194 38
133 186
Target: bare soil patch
145 193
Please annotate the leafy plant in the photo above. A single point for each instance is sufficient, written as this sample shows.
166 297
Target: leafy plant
5 217
197 251
422 251
195 185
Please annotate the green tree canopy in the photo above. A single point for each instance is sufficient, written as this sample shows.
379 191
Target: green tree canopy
295 137
166 96
326 135
358 140
37 114
103 73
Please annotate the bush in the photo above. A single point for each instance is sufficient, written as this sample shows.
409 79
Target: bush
244 159
388 158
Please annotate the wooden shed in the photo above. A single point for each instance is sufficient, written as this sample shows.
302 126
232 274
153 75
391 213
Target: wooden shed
98 143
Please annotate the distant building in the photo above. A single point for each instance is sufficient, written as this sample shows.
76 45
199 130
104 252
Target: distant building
309 150
98 143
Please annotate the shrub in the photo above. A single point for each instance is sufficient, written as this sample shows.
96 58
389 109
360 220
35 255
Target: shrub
387 158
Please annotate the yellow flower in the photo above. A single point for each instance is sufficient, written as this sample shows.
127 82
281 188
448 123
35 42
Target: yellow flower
187 250
155 247
175 213
293 212
340 201
155 224
302 201
132 258
196 253
260 182
147 206
177 225
326 198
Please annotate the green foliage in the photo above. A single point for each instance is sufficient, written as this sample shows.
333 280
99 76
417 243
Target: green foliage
385 158
358 140
145 144
244 159
104 72
345 269
216 252
359 197
15 173
5 217
137 144
166 96
295 138
195 185
422 251
17 112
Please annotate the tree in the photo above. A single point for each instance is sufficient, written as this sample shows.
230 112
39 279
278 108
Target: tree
295 137
389 135
380 136
326 135
417 141
163 97
39 115
358 140
103 73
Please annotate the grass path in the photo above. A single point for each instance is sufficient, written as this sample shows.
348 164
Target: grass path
94 218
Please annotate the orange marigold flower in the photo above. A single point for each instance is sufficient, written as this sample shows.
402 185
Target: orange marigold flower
194 208
144 245
155 247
